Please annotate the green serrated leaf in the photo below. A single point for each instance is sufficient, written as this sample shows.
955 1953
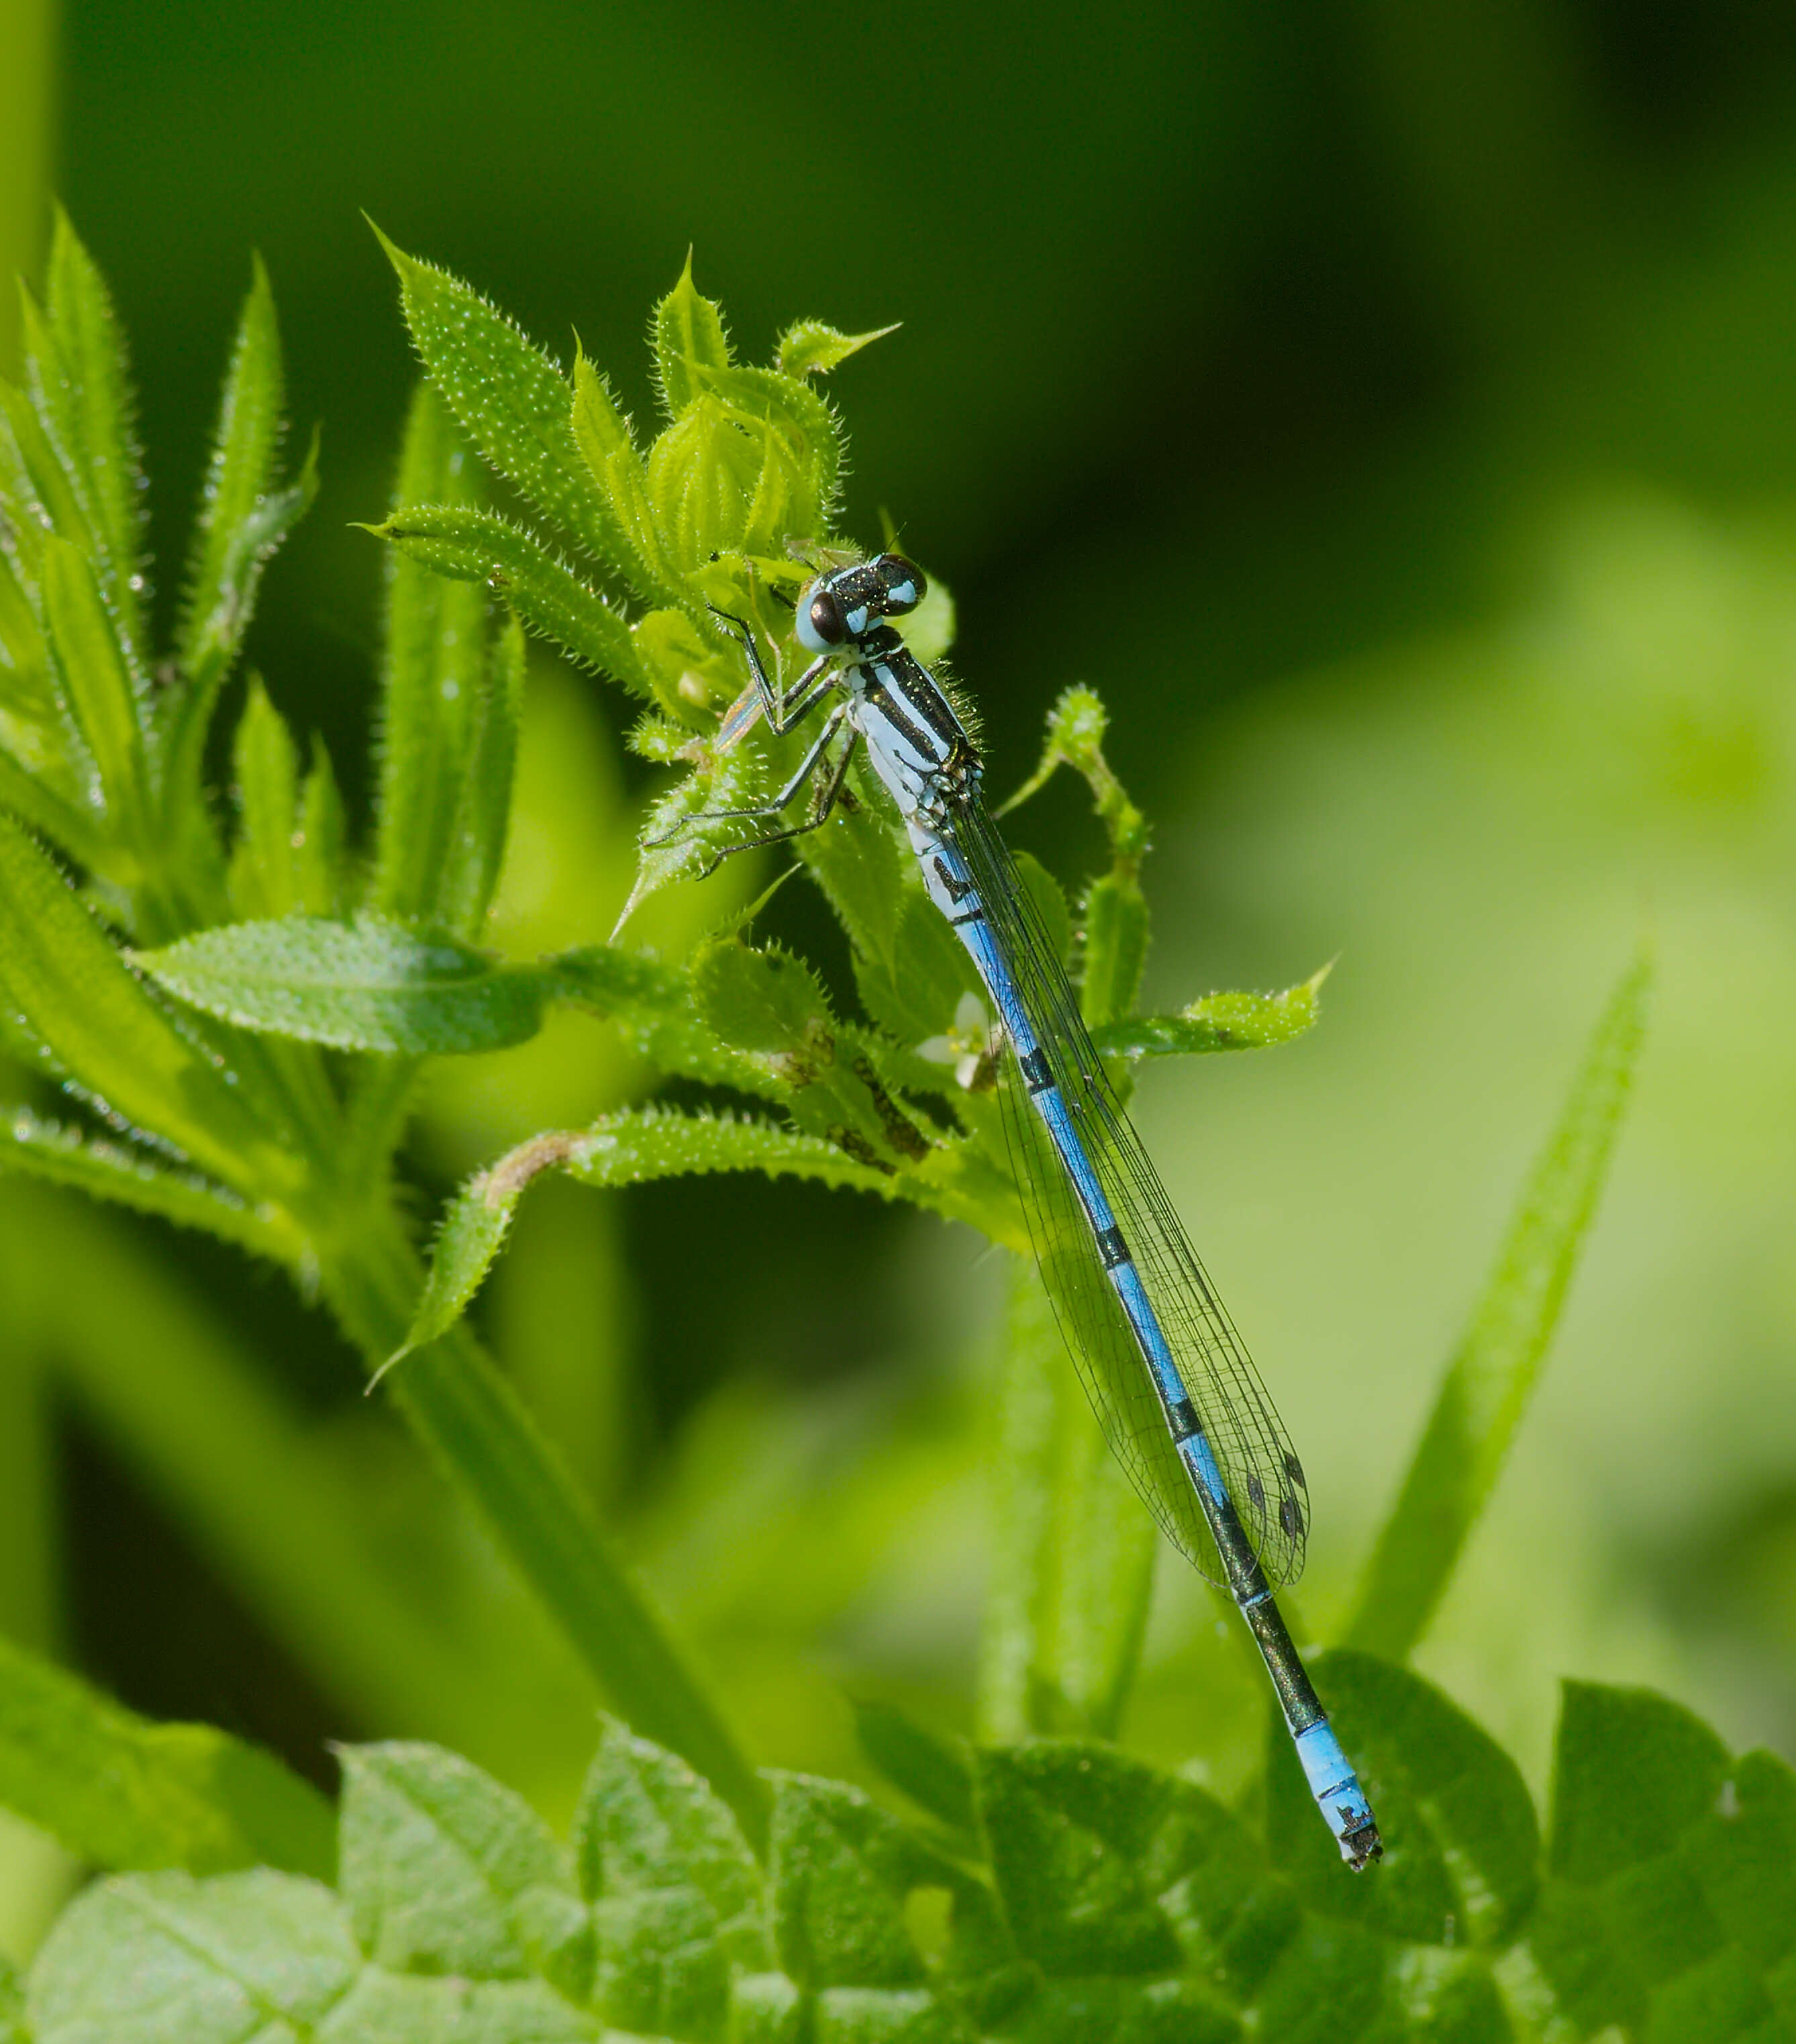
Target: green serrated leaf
99 685
653 1005
688 338
101 1025
1744 1854
263 880
812 347
230 539
482 546
389 2008
446 1871
1463 1863
319 854
1089 1849
1492 1375
430 676
469 1238
788 414
1612 1744
119 1792
89 409
1218 1022
364 985
64 1156
74 831
915 995
512 401
157 1957
39 497
933 1768
841 1871
633 1148
477 844
679 1903
603 435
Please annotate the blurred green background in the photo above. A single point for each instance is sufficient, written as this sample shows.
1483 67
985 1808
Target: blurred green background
1392 410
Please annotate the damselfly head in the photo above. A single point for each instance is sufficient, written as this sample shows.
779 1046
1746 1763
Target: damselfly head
842 606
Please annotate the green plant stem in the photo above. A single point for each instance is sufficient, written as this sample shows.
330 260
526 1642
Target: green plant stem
490 1449
28 1588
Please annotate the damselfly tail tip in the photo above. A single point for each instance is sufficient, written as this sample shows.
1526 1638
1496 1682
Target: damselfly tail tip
1360 1848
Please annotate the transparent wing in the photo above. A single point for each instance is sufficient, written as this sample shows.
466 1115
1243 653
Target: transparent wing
1263 1475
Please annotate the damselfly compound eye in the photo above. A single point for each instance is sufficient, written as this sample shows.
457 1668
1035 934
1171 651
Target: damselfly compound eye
903 582
821 624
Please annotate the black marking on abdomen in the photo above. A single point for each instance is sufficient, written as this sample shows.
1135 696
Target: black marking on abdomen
1112 1248
1035 1070
1181 1415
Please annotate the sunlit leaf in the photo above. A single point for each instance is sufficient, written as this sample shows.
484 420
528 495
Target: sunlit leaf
363 986
689 339
262 879
512 400
812 347
482 546
101 688
1218 1022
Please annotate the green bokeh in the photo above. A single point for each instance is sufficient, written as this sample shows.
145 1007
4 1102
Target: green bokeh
1390 410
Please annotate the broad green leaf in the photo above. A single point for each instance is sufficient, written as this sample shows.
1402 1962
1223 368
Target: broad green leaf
364 985
675 845
603 435
91 413
653 1005
1331 1984
445 1871
140 1179
679 1903
842 1872
231 538
1116 930
403 2008
1632 1772
263 881
482 546
161 1958
1218 1022
12 2007
801 453
721 482
1462 1863
916 993
688 338
933 1768
477 844
102 690
1723 2001
100 1024
812 347
1121 2011
512 400
1098 1857
1492 1375
319 854
119 1792
1744 1852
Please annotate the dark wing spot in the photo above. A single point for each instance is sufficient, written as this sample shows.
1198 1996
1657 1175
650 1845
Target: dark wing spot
1291 1517
1293 1469
1257 1494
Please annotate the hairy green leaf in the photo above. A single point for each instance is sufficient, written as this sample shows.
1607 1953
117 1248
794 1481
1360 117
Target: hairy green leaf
444 1871
512 401
263 882
137 1178
430 677
319 852
1218 1022
602 434
101 688
477 843
842 1872
232 537
482 546
122 1793
99 1024
161 1958
83 386
364 985
812 347
677 1902
1492 1375
689 339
